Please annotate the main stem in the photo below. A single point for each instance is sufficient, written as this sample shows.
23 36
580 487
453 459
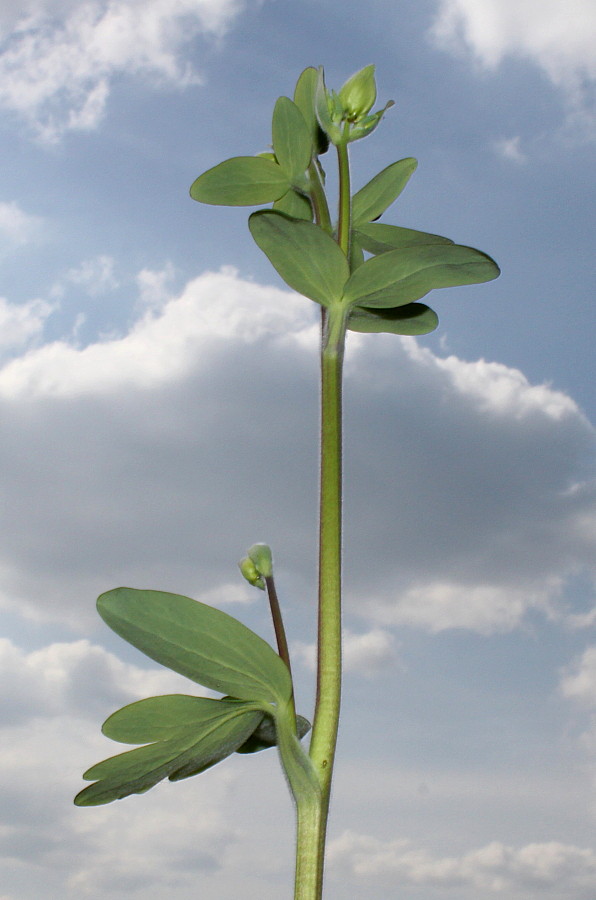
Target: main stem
312 818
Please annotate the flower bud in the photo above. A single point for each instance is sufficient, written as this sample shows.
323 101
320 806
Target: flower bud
251 573
260 556
358 94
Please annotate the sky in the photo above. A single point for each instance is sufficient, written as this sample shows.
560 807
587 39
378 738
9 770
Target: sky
158 399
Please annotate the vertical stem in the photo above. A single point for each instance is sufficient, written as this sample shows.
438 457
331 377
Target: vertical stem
326 721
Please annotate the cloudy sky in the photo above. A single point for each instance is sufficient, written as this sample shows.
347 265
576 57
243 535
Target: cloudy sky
158 398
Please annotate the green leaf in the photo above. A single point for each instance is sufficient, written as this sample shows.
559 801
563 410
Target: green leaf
373 199
402 276
209 730
204 644
265 734
292 142
295 205
306 257
413 318
377 237
241 181
304 98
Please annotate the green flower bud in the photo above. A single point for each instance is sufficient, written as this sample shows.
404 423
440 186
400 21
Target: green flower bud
251 573
260 556
358 94
368 123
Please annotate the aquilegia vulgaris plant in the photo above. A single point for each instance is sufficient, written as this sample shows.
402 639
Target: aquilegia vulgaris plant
366 276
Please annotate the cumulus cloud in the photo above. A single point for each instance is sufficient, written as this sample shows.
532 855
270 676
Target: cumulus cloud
560 39
157 457
542 869
58 60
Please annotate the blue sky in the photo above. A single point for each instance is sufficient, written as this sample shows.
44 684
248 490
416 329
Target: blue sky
158 394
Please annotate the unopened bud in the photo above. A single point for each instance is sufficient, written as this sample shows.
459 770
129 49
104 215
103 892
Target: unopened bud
260 556
358 94
251 573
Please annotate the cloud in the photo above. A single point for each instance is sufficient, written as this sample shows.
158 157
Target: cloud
53 701
21 323
17 227
366 653
509 148
58 60
578 681
94 276
559 38
155 458
547 869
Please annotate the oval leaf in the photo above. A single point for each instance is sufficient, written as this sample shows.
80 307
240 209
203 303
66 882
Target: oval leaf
241 181
306 257
295 205
204 644
376 237
373 199
292 143
219 731
402 276
304 98
413 318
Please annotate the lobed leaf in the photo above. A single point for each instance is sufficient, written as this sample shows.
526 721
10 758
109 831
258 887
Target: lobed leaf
372 200
413 318
292 143
215 729
306 257
204 644
241 181
265 734
402 276
376 237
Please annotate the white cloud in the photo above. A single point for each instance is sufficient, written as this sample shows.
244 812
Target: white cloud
558 37
20 323
366 653
540 869
58 60
16 226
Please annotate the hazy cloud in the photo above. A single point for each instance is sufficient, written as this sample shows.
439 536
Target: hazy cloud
547 869
58 60
559 38
16 226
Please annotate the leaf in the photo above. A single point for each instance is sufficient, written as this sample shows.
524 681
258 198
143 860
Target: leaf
373 199
402 276
204 644
295 205
265 734
306 257
292 142
213 729
241 181
413 318
376 237
304 98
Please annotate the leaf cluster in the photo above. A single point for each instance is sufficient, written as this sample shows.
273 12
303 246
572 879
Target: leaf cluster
184 735
388 269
